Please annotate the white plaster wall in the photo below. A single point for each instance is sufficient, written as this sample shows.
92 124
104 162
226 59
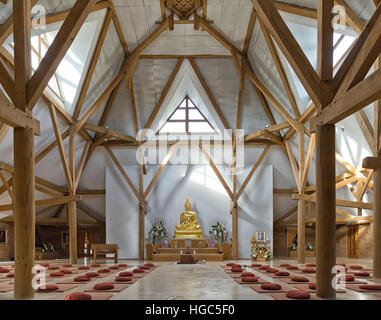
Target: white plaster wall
167 199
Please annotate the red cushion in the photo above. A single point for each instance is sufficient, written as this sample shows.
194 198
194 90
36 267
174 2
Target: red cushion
282 274
53 268
356 267
114 267
362 274
349 278
78 296
236 265
149 265
249 279
292 268
284 265
10 275
312 286
126 274
104 270
95 265
138 271
247 274
81 279
83 267
271 286
66 271
370 287
67 265
47 288
299 279
236 270
123 265
143 267
256 265
309 271
123 279
92 274
264 267
104 286
298 294
57 274
4 270
310 265
229 264
272 270
44 264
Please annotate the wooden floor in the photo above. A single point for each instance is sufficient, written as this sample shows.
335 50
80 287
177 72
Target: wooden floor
202 281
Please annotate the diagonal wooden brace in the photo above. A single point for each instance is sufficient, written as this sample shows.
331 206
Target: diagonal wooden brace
371 163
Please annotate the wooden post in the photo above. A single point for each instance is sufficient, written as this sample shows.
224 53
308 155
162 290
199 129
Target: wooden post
23 179
72 217
325 163
234 213
301 229
141 214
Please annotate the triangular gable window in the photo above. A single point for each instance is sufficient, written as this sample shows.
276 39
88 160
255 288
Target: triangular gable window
187 119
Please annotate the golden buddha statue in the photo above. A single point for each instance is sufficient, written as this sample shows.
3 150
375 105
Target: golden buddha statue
188 229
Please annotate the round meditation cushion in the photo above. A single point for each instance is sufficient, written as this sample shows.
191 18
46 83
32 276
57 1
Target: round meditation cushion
272 270
104 271
123 279
236 270
82 279
372 287
67 265
271 286
292 268
47 288
349 278
247 274
310 265
57 274
122 265
78 296
298 294
66 271
95 265
249 279
83 268
356 267
126 274
264 267
299 279
53 268
309 271
229 264
138 271
104 286
282 274
114 267
236 265
256 265
144 268
362 274
312 286
4 270
92 274
10 275
45 265
283 265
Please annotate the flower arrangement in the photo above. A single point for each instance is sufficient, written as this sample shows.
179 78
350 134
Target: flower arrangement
261 248
158 232
218 233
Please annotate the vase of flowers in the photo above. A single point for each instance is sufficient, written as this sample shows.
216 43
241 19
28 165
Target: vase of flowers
219 234
260 253
157 234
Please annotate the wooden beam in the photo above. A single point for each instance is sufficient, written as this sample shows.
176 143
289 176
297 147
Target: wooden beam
249 32
274 128
286 215
81 165
6 80
290 48
310 153
89 213
58 49
365 127
110 133
185 56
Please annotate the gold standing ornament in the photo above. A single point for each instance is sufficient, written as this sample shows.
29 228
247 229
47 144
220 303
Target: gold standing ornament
188 229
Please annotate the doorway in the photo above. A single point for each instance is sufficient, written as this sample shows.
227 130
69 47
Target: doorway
353 242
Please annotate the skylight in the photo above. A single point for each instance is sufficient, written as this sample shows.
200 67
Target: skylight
187 119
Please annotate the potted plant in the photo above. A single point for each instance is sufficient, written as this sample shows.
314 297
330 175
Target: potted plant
219 234
157 234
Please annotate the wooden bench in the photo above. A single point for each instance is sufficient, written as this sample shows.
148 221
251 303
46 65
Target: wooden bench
104 250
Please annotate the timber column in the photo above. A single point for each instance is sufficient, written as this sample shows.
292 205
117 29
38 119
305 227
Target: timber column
325 161
301 229
23 179
72 205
